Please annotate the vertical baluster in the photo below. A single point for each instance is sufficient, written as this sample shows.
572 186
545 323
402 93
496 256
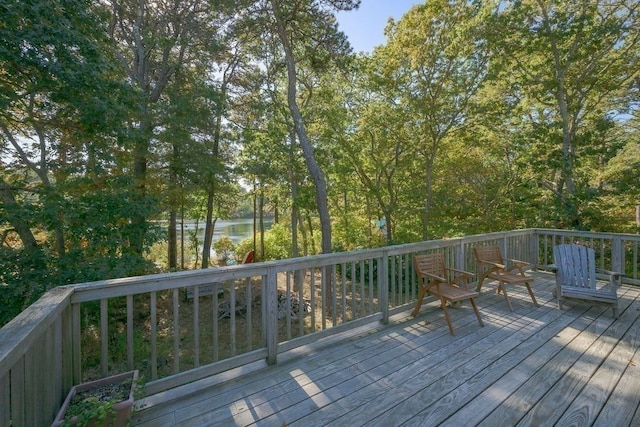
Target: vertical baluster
130 332
232 320
312 281
176 331
353 291
215 323
104 337
249 314
154 335
196 326
343 290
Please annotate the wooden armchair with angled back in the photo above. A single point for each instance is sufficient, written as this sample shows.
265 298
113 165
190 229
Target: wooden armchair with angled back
448 284
506 271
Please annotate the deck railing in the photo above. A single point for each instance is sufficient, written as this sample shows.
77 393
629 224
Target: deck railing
177 328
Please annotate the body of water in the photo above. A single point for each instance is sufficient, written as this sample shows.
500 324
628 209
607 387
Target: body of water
236 229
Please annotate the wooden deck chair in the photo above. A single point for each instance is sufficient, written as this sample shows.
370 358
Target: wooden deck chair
576 277
506 271
436 279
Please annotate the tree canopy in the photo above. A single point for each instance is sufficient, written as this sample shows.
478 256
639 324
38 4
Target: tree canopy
122 119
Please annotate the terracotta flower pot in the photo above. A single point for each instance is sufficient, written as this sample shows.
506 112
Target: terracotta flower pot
122 409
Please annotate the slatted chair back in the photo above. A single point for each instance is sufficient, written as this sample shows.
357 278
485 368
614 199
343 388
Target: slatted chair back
576 265
489 254
428 265
492 265
435 278
577 277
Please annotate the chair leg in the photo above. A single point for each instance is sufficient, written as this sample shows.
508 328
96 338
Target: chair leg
475 308
533 298
421 293
559 298
506 297
480 280
446 315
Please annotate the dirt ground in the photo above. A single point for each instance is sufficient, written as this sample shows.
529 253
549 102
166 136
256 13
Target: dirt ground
222 332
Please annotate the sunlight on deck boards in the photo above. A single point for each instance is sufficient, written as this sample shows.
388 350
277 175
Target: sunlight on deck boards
532 366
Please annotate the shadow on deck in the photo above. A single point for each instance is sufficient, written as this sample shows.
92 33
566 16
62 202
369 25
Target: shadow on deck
532 366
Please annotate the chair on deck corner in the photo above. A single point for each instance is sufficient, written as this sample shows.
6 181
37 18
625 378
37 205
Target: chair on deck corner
577 277
434 278
491 265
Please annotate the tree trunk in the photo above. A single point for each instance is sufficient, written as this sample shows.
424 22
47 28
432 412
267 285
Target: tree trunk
428 202
261 221
298 123
15 218
294 197
208 231
172 237
569 209
298 275
255 219
139 220
388 228
182 235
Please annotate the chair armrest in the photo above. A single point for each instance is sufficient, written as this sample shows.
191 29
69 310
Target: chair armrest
615 278
518 262
460 278
609 273
435 277
461 272
491 263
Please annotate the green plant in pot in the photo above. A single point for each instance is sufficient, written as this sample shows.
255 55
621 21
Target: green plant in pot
104 402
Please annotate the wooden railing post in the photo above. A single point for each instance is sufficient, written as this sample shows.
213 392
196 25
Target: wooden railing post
104 337
383 286
460 255
504 248
75 343
271 312
617 255
534 251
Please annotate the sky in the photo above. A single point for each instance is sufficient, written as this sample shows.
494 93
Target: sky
365 26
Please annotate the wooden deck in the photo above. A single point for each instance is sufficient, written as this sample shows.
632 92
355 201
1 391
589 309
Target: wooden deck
533 367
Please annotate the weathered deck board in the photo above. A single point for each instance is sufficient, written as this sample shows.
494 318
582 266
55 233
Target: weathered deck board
596 392
533 366
626 393
542 399
431 379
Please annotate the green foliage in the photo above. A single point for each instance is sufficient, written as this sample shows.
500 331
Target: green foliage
89 410
352 232
277 242
225 249
24 276
242 248
565 64
471 118
95 405
622 172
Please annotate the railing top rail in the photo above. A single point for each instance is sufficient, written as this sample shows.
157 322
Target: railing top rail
581 233
17 336
157 282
